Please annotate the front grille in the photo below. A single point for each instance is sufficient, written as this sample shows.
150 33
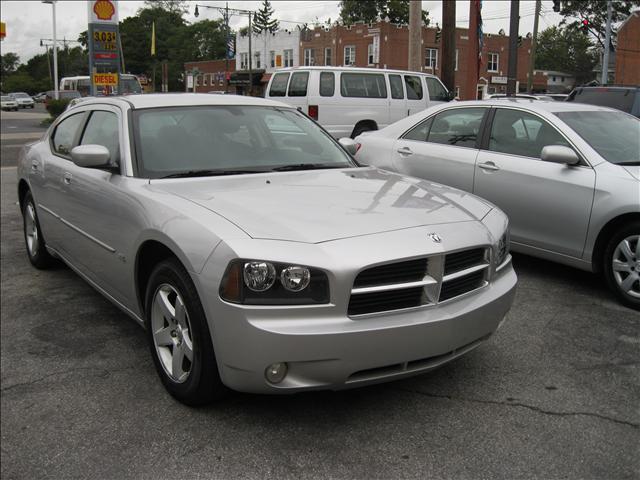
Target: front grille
454 262
464 284
385 301
401 272
414 283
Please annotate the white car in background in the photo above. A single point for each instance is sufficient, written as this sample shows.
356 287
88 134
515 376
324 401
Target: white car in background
24 100
8 103
566 174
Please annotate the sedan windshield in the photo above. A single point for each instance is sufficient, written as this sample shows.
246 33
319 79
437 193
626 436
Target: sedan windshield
614 135
225 140
21 95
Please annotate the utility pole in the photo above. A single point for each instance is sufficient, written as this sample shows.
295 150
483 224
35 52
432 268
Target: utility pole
415 35
512 71
226 49
448 63
250 59
607 44
534 42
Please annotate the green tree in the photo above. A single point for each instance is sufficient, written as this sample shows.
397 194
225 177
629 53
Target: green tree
172 6
566 50
397 11
263 19
10 62
595 11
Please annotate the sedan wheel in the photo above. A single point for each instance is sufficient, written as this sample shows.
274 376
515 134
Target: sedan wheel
33 237
622 265
179 336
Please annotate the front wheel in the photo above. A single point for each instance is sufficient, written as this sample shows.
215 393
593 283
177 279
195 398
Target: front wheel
179 336
33 238
622 264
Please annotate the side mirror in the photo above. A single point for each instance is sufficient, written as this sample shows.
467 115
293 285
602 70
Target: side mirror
559 154
451 96
349 145
91 156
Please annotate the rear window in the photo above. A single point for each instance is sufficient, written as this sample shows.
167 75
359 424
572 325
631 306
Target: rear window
298 84
605 97
327 84
279 85
414 87
363 85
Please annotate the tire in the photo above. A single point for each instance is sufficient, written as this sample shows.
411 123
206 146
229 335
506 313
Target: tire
361 128
33 237
174 337
623 252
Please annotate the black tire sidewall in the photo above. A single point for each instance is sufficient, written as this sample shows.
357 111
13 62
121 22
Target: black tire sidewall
633 228
203 384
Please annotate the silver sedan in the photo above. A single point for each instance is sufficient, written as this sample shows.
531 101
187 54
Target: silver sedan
566 174
253 248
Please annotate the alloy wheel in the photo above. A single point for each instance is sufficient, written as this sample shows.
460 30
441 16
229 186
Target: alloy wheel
31 230
626 265
172 333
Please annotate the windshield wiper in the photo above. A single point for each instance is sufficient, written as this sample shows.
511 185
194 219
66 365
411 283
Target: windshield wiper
210 173
307 166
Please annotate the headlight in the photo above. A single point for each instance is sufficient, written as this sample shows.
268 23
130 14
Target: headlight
502 249
258 282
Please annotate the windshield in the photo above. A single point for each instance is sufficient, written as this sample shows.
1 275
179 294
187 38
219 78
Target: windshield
212 140
614 135
620 99
21 95
6 99
130 85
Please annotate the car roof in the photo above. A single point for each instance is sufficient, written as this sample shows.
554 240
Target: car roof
538 104
352 69
160 100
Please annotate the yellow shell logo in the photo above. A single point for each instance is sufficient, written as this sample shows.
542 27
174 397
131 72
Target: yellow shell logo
104 9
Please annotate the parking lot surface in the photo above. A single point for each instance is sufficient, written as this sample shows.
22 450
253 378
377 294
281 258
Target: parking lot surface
554 394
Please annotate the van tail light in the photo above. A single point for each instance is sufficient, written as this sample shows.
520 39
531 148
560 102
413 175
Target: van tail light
313 111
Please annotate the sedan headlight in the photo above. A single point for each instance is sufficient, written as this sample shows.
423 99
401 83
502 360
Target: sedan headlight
502 249
258 282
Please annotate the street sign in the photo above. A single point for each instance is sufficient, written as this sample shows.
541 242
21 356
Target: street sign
501 80
105 79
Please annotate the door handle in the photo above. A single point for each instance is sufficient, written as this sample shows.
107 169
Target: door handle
67 178
405 151
489 166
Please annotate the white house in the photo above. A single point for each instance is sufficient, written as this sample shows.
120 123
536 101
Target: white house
269 50
559 82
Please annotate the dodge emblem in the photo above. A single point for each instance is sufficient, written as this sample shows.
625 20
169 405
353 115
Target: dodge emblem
435 237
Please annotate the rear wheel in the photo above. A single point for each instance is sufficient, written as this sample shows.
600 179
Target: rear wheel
179 336
33 238
622 264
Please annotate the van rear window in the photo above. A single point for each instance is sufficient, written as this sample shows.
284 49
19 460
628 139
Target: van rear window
279 85
363 85
327 84
298 84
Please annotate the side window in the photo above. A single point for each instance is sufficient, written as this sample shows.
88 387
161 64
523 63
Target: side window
437 92
102 129
414 87
327 84
363 85
279 85
520 133
459 127
298 84
420 131
395 82
65 134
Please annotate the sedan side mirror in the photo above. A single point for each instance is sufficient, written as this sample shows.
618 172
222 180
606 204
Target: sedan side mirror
349 145
91 156
451 96
559 154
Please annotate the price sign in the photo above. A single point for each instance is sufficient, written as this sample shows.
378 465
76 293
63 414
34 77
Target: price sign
104 41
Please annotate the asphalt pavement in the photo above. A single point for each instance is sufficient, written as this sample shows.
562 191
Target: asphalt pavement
554 394
17 128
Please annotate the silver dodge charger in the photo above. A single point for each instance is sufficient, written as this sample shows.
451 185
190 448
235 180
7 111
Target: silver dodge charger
257 253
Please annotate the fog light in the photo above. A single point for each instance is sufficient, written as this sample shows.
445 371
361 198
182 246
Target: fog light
276 372
295 279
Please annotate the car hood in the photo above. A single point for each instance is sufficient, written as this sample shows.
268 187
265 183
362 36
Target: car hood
316 206
634 170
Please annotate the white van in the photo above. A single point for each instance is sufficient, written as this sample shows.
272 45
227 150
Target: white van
348 101
130 84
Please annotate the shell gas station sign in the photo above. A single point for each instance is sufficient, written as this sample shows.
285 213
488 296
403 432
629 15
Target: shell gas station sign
3 30
104 45
105 79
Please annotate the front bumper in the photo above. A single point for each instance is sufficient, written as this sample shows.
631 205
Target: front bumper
326 349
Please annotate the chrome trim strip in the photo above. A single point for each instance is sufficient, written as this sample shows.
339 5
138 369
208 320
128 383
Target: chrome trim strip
82 232
49 211
506 262
466 271
395 286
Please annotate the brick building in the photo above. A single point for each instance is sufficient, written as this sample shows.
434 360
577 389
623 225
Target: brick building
628 51
386 45
208 75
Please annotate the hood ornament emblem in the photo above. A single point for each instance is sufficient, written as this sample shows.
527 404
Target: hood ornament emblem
435 237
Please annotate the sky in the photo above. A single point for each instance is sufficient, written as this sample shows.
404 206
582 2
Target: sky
28 21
